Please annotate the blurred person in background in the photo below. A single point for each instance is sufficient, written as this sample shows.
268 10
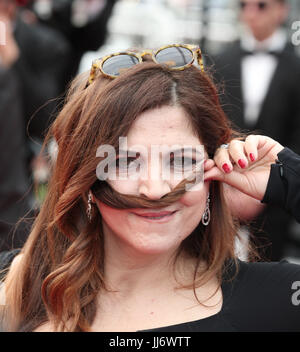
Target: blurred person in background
40 59
82 22
15 196
31 63
261 74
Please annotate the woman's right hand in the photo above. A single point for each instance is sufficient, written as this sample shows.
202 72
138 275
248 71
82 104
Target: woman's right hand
245 165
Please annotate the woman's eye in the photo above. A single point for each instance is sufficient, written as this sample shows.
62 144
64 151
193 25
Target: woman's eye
126 163
181 163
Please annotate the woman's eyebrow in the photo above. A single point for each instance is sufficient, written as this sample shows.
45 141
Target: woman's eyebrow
199 150
126 151
196 150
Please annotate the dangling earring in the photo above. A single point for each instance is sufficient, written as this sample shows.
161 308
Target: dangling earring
89 207
206 215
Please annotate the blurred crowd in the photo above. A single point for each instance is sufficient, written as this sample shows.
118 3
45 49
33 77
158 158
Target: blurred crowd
47 42
44 43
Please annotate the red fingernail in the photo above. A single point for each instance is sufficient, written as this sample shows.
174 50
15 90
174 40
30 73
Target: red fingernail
226 168
242 163
252 157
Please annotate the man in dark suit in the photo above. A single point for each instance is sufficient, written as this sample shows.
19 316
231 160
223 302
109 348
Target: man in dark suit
261 75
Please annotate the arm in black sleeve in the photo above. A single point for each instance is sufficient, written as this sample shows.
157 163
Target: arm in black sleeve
283 187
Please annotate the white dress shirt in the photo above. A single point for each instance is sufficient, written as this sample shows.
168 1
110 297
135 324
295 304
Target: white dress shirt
257 71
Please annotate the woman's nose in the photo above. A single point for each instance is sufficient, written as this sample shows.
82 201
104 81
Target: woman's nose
154 189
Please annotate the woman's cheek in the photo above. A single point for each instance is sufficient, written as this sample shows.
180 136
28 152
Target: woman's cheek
112 216
195 195
124 186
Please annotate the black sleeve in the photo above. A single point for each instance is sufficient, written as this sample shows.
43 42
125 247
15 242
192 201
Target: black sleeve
283 187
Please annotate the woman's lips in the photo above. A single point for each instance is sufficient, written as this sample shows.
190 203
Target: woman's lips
158 217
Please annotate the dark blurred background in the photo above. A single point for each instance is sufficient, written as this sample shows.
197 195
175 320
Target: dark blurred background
248 45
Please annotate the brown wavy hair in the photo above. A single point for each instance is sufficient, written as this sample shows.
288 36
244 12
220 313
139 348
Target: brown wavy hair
61 270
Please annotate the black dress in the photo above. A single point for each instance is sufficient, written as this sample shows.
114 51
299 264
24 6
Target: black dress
263 297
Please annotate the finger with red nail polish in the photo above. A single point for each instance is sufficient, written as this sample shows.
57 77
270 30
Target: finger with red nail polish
226 168
222 160
242 163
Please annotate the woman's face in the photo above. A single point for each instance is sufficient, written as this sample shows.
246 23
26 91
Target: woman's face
153 231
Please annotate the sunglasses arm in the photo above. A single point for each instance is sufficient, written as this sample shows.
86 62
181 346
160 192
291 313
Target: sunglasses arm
96 66
198 54
200 59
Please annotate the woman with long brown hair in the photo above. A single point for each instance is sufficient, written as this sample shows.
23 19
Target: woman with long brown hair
124 240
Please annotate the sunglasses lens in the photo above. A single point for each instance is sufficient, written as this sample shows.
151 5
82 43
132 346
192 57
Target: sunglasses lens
174 56
114 65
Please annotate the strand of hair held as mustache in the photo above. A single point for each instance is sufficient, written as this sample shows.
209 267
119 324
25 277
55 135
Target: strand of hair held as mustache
112 198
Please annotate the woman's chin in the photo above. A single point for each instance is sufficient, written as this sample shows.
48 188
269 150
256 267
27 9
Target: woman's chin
153 249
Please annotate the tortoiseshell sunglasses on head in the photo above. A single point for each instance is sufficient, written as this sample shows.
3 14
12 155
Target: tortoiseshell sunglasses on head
175 56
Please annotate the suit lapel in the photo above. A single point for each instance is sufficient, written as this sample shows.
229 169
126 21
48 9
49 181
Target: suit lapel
234 85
